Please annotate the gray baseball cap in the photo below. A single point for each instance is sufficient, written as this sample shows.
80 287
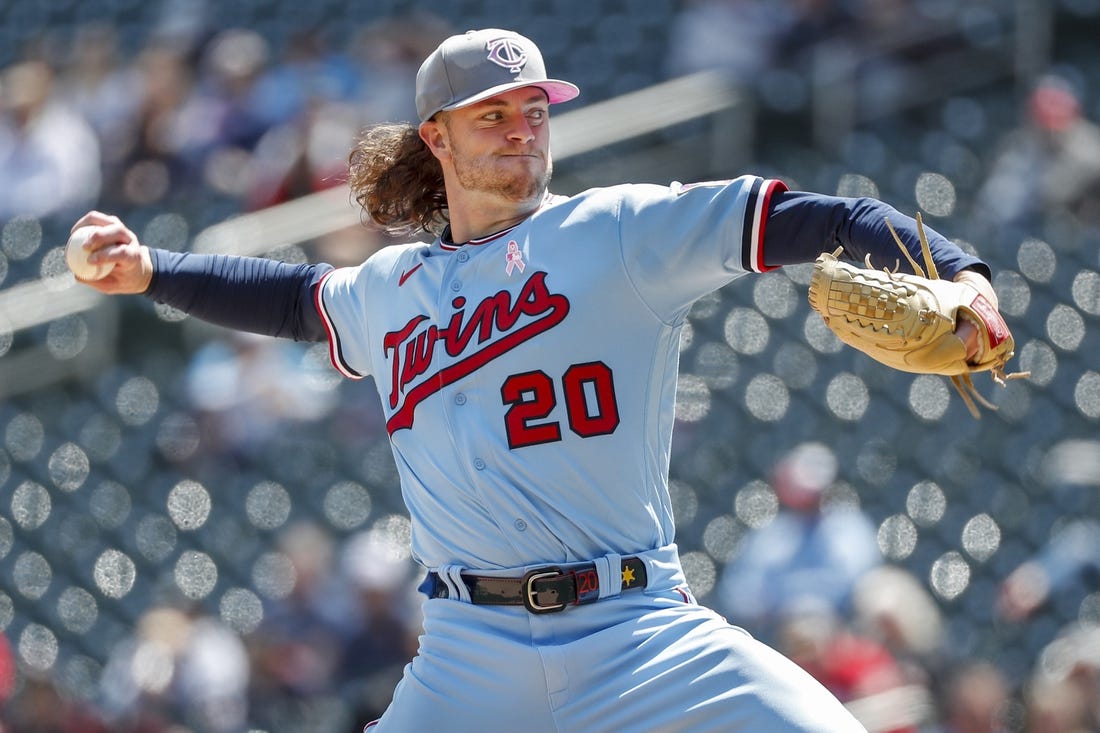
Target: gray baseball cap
476 65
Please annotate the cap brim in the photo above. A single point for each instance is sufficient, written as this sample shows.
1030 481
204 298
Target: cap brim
556 90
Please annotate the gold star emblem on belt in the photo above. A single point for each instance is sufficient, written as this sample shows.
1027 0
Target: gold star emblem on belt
628 576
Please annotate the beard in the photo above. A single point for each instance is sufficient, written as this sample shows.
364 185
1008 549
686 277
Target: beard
507 179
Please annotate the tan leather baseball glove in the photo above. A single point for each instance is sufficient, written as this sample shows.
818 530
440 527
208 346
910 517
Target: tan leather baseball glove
908 321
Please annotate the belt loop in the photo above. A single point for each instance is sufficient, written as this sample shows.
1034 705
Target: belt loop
609 570
451 575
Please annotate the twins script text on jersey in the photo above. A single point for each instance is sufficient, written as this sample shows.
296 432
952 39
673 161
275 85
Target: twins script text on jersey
496 323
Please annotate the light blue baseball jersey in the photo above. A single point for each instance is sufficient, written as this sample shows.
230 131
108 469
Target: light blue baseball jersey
524 432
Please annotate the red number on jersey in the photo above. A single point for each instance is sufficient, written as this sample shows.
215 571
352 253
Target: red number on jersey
596 377
590 404
532 397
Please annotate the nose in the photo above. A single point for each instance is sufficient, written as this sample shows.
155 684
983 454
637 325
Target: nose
520 130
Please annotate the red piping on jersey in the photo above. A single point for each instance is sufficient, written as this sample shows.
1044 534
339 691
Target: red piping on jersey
333 339
762 214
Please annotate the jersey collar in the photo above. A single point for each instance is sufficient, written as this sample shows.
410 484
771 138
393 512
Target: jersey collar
447 245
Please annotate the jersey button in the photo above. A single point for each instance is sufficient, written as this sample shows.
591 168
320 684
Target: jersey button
456 285
479 464
520 525
463 256
460 399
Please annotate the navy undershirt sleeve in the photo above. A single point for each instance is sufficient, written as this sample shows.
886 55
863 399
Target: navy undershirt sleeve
243 293
802 225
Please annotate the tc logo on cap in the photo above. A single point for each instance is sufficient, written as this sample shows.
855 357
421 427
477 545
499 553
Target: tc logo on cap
473 66
508 53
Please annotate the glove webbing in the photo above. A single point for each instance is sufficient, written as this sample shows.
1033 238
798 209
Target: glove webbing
964 385
876 315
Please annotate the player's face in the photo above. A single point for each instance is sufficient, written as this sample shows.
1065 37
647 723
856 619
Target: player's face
502 145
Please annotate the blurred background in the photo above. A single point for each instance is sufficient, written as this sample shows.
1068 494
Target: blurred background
202 531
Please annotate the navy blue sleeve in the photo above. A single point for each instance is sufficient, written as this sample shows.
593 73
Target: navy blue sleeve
802 225
243 293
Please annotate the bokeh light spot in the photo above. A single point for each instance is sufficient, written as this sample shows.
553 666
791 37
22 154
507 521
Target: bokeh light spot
268 505
347 505
114 573
949 576
897 537
189 504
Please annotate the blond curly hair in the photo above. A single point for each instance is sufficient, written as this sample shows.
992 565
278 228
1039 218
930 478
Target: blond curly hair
396 179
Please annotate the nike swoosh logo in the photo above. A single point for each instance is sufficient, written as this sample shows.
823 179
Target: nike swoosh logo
405 275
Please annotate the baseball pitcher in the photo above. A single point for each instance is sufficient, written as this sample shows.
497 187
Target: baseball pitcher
526 362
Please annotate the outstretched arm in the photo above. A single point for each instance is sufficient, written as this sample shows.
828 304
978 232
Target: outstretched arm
243 293
802 225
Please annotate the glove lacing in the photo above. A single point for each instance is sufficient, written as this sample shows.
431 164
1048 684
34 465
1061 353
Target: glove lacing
964 385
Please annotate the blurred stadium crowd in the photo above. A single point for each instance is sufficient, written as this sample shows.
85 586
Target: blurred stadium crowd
202 531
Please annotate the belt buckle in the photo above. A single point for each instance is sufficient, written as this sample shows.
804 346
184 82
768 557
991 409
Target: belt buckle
530 596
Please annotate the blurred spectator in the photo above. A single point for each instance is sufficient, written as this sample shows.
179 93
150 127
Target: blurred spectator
105 90
975 698
308 73
238 385
175 128
232 66
814 22
1049 165
318 99
1071 556
861 51
859 670
182 23
40 707
298 647
178 666
888 37
736 36
388 53
809 552
309 106
304 156
1056 707
891 605
380 572
1063 694
49 155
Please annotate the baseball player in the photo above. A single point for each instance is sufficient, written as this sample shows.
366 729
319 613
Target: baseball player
526 361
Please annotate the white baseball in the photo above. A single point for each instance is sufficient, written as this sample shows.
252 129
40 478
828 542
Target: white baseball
76 257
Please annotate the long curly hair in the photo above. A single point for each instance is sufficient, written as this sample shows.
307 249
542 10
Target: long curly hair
396 179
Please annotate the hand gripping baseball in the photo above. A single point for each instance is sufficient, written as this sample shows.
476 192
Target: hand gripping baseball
115 250
908 322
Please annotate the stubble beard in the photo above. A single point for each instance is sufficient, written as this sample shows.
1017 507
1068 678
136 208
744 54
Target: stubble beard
519 187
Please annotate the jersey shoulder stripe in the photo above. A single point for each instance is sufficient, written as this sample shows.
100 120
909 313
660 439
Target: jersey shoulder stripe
756 219
335 353
342 295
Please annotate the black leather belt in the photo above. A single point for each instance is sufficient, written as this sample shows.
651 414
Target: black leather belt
542 590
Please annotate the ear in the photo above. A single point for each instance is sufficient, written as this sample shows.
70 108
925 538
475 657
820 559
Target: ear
434 135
